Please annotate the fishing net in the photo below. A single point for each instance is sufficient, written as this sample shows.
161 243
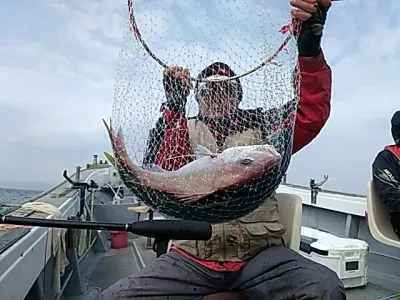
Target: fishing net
256 40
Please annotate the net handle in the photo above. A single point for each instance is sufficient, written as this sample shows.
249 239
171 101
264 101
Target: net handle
135 29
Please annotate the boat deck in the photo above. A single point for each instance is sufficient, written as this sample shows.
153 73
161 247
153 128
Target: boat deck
24 250
10 234
124 262
103 269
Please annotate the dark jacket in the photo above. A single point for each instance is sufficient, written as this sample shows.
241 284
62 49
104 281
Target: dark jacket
386 177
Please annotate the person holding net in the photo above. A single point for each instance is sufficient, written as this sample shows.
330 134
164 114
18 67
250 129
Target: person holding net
246 255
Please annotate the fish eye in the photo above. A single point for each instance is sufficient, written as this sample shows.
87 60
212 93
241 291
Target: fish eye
246 161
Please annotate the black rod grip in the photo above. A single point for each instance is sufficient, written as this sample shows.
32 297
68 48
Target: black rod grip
173 229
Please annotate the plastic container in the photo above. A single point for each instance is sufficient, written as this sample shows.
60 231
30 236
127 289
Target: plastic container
347 257
119 239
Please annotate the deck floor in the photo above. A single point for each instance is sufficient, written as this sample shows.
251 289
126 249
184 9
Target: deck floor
118 264
123 263
379 286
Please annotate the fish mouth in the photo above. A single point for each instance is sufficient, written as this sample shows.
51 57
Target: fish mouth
274 152
270 149
268 162
273 157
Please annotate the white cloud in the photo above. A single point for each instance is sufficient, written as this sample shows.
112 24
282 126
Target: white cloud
57 69
56 82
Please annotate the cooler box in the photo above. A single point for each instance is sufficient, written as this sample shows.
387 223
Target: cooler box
347 257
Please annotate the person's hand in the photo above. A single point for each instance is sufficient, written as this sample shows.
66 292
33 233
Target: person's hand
313 15
177 86
303 9
180 75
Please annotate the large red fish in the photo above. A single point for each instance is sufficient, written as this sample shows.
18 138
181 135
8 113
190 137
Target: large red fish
204 176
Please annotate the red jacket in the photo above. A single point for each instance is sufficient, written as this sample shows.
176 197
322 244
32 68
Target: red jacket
311 115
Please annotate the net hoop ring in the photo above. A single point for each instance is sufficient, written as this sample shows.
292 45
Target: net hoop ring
135 29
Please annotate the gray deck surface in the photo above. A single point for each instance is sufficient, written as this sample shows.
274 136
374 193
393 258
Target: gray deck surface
119 263
122 263
379 286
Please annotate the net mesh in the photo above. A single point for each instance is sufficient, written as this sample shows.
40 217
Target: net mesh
179 165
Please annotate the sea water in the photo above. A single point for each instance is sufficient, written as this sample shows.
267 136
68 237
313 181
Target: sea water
14 196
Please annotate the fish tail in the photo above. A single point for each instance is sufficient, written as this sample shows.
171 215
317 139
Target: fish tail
108 129
122 161
111 135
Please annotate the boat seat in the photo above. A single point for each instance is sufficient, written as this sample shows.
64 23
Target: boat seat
290 215
379 219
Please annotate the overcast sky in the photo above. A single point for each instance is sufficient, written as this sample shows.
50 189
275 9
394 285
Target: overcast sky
57 67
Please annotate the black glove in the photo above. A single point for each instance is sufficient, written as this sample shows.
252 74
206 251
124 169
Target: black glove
309 40
175 93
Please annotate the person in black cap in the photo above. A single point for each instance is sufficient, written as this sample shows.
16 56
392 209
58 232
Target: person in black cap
245 255
386 174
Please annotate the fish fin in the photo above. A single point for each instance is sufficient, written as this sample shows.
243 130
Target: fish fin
110 158
180 195
203 151
153 168
190 198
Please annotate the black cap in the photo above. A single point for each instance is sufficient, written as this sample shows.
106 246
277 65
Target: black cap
220 68
216 68
396 119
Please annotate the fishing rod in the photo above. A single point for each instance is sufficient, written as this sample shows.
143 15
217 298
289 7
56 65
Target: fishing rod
157 229
161 230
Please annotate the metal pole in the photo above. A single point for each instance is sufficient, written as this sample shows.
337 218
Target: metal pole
148 241
95 159
78 173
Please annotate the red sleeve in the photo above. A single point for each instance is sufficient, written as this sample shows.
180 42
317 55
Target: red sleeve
315 100
175 146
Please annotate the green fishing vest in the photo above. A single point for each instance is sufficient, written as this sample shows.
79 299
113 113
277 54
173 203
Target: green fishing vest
241 239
